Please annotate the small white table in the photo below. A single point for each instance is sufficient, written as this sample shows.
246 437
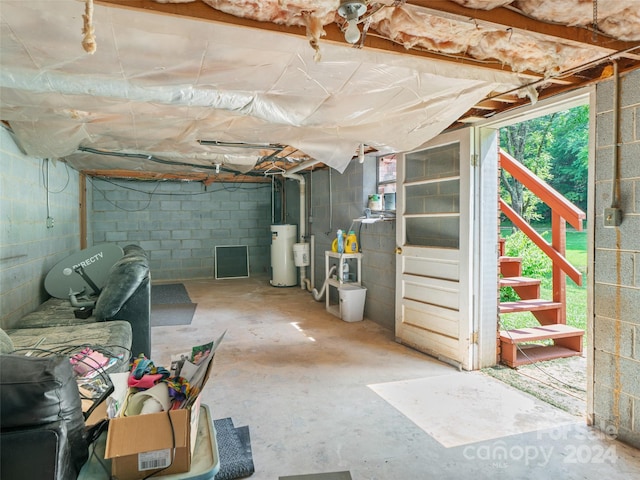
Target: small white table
339 259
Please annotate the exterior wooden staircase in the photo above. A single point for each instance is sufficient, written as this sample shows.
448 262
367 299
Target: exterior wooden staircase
523 346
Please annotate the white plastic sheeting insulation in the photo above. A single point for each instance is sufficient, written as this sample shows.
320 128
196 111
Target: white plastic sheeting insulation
157 84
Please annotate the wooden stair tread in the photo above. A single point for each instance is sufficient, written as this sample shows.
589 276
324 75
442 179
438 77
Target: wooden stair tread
505 259
546 332
518 281
539 353
531 305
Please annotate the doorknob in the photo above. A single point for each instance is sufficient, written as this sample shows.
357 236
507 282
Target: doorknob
398 250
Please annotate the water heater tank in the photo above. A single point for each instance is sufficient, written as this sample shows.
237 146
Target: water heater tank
283 268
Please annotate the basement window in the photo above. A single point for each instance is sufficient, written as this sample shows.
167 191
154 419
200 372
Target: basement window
387 174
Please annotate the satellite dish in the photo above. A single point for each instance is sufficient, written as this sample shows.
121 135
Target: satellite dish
85 271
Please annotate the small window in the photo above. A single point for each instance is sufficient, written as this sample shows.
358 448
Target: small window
387 174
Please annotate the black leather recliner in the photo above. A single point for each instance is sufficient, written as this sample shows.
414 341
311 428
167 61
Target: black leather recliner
126 295
42 431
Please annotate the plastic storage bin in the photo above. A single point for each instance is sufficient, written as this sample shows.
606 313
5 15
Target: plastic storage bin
352 299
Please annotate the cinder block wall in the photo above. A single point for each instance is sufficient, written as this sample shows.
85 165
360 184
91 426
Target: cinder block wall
616 271
181 223
337 199
28 249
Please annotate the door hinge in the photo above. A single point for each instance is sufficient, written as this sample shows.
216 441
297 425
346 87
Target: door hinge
474 159
474 337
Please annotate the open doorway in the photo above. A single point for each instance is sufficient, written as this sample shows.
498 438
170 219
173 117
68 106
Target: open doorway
545 303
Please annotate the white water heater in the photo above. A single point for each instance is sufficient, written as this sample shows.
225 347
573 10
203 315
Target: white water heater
283 267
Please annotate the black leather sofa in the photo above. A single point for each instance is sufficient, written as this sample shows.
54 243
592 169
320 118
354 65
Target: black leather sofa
42 433
125 297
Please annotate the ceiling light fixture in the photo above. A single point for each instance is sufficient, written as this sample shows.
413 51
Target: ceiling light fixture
351 11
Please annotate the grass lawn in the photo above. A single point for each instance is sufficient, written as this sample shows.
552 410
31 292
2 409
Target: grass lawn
576 254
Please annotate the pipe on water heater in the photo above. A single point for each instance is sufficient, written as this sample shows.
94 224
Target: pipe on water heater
304 281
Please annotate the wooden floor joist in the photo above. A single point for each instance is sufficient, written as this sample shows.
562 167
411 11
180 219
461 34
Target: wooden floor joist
205 178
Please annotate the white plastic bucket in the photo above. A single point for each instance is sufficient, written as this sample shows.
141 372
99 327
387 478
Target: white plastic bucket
375 202
389 201
301 254
352 299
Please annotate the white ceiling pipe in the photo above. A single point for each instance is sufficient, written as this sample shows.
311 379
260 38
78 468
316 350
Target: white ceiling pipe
302 166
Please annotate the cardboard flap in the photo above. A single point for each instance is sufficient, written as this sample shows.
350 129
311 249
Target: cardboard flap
154 431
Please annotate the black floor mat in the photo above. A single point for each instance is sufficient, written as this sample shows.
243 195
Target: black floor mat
169 293
171 305
234 449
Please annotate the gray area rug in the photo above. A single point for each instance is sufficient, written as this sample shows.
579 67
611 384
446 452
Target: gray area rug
169 293
171 305
234 450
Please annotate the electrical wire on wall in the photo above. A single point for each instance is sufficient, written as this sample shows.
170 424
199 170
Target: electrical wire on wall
330 231
45 182
248 186
104 195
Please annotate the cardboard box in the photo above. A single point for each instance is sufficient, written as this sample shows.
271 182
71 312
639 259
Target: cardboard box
162 442
142 444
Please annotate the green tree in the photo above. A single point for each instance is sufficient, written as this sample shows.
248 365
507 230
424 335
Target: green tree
528 142
554 147
570 155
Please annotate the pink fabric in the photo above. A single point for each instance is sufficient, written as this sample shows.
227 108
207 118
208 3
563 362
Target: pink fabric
147 381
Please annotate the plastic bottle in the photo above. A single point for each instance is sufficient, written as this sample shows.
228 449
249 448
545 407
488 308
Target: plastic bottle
345 272
352 243
340 242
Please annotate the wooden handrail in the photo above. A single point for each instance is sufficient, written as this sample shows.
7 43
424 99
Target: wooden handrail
548 195
536 238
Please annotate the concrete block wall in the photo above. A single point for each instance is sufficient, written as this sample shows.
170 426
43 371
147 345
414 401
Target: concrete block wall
617 271
180 223
28 249
349 195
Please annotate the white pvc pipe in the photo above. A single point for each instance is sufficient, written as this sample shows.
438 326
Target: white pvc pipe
304 281
312 248
318 296
302 166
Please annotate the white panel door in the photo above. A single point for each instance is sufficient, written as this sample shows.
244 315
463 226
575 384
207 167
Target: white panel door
434 249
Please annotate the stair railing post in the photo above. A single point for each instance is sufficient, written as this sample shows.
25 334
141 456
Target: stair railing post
559 244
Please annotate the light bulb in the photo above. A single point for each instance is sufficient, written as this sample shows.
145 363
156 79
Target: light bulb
352 33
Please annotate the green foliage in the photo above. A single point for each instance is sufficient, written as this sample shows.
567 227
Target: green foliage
554 147
535 264
571 155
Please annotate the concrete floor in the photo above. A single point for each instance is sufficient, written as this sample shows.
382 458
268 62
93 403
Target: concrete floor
323 395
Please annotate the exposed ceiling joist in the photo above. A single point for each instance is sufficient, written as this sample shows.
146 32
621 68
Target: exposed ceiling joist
205 178
189 103
201 11
507 17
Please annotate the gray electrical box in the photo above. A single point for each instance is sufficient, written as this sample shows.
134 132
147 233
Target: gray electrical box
612 217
